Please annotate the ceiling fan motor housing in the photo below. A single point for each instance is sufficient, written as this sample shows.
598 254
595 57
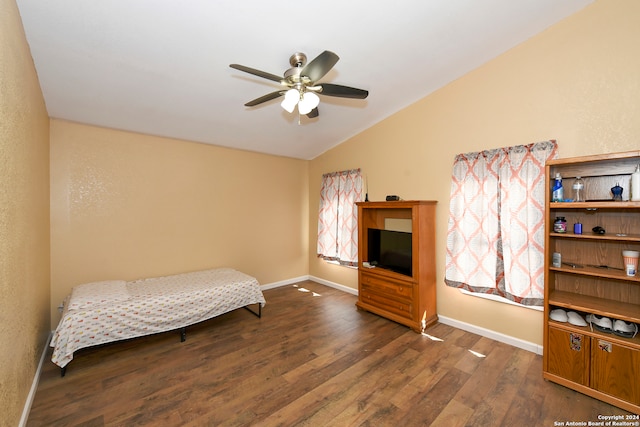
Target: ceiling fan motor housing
292 75
298 59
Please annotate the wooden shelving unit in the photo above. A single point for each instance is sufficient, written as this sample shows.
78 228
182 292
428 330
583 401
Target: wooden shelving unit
599 364
408 300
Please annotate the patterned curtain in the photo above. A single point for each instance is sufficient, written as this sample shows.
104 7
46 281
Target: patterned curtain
338 216
495 239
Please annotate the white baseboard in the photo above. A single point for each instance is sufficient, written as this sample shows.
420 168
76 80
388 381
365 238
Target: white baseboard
334 285
284 282
488 333
312 278
34 385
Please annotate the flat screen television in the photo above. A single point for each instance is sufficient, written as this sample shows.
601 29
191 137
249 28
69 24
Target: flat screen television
391 250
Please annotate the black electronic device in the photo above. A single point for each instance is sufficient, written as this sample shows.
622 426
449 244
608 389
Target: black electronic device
393 198
391 250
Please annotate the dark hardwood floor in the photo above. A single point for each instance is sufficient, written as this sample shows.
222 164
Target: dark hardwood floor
311 360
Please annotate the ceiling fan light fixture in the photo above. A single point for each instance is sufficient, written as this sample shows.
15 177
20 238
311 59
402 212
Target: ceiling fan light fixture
291 98
308 102
302 84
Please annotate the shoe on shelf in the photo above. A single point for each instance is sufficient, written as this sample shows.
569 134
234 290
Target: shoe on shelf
575 319
559 315
602 324
624 329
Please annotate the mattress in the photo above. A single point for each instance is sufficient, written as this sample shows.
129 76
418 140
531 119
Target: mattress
103 312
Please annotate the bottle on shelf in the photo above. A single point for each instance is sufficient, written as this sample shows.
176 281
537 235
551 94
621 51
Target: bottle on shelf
578 189
558 190
635 185
617 192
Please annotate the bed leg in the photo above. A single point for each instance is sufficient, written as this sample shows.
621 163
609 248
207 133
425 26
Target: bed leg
183 334
259 313
63 371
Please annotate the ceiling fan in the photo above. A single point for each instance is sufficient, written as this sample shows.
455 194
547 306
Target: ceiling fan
301 84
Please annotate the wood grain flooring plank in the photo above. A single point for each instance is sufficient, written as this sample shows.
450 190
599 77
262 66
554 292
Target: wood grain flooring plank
484 379
398 372
340 390
455 414
493 407
428 406
527 404
437 360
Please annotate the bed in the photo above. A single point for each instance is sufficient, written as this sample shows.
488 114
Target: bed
109 311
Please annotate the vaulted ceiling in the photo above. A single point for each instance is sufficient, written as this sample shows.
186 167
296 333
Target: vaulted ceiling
161 67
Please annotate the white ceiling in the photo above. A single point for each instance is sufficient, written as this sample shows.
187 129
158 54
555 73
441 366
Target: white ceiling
161 67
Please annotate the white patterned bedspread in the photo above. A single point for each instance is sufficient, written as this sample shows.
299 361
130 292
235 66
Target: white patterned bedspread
148 306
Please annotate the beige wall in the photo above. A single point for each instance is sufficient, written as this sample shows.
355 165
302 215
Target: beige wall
577 82
24 217
127 206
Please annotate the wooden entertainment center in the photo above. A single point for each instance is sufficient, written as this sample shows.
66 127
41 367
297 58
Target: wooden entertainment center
408 300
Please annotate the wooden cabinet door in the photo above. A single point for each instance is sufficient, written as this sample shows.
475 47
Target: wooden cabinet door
615 370
569 355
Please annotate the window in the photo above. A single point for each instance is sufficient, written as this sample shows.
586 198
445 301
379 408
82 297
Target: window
495 238
338 216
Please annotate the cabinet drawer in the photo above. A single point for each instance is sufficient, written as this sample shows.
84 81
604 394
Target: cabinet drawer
388 287
401 308
569 355
615 370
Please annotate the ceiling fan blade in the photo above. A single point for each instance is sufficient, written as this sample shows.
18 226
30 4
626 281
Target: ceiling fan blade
320 66
265 98
314 113
258 73
343 91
